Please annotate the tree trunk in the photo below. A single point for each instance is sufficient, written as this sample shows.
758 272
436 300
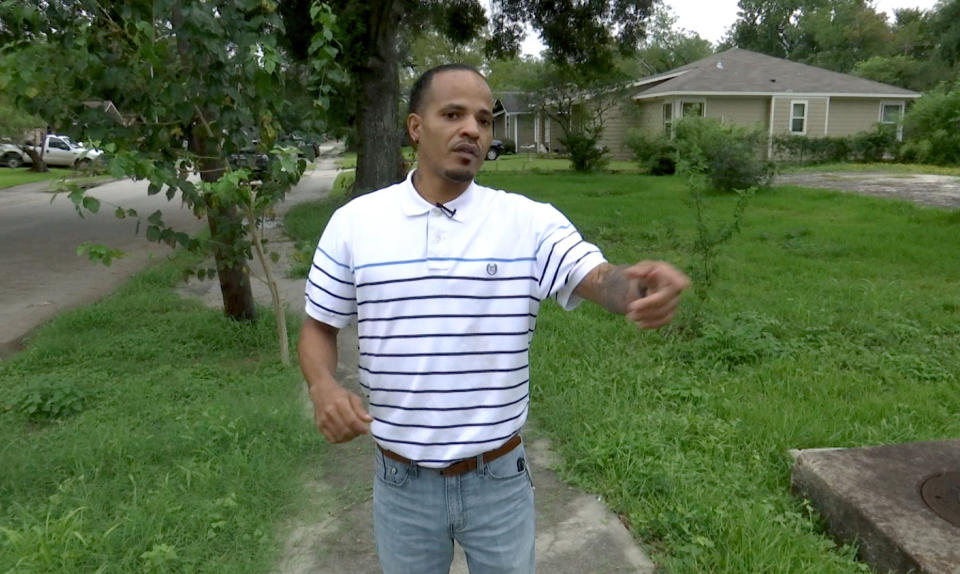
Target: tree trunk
379 161
37 163
226 229
226 225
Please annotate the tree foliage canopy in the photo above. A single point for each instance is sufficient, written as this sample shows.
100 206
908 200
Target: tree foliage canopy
911 48
196 82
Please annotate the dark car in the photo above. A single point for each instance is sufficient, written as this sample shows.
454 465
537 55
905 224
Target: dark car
251 159
496 150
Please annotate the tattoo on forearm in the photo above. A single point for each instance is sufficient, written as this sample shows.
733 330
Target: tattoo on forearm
616 289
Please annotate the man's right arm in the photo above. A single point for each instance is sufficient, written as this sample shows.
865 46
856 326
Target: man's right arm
339 414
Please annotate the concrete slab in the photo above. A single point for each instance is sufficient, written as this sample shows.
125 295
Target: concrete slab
871 496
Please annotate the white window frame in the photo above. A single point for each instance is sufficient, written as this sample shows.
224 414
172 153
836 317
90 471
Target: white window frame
899 123
805 117
891 104
703 107
667 123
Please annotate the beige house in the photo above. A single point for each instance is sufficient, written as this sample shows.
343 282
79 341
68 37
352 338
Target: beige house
751 89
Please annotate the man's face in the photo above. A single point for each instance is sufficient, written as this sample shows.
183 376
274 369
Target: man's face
455 125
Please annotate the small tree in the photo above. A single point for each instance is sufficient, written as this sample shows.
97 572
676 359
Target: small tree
728 156
198 83
578 99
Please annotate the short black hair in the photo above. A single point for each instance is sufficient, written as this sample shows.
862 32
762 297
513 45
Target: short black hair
420 87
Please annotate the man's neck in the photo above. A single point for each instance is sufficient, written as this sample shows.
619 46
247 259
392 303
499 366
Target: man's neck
435 189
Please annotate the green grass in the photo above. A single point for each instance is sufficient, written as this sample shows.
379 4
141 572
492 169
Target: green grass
21 175
892 168
169 439
834 323
179 446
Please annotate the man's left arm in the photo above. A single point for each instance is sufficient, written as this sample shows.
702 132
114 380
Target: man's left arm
646 293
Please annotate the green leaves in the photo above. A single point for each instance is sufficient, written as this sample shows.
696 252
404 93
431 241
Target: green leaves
99 252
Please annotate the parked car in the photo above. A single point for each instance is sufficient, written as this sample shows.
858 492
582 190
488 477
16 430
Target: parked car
60 151
251 159
12 156
496 150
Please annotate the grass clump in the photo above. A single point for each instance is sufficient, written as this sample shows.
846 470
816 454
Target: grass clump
148 434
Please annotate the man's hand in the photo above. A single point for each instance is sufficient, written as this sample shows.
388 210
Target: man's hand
339 414
664 283
646 293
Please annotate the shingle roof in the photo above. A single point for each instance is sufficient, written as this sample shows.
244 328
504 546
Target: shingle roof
743 71
514 102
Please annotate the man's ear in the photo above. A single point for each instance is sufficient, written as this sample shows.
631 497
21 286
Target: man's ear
413 129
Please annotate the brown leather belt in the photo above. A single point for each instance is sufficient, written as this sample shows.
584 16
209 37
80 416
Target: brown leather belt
465 465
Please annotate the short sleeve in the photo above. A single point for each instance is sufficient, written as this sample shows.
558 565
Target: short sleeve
331 296
563 258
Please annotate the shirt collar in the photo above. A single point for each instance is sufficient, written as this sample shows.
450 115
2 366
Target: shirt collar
414 204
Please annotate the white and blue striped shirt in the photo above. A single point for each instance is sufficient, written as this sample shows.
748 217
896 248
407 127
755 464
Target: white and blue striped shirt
446 307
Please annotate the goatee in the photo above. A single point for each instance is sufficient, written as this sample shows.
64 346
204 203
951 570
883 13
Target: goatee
458 175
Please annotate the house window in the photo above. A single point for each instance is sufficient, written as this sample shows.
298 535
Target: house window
668 117
798 118
692 109
891 113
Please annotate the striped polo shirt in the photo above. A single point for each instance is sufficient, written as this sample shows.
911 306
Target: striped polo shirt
445 304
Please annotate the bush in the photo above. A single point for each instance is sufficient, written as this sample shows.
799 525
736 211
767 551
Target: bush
655 153
802 149
875 145
729 156
585 151
932 128
509 145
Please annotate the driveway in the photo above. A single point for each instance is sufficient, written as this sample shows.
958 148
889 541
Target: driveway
924 189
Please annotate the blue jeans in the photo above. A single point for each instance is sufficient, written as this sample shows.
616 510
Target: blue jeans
418 513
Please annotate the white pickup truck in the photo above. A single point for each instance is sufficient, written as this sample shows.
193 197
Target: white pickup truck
57 151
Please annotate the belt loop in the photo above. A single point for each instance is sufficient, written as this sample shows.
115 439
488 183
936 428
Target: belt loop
414 469
481 467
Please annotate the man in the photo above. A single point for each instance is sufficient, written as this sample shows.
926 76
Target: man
444 278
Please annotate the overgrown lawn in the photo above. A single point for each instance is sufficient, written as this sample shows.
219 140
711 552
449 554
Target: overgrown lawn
146 433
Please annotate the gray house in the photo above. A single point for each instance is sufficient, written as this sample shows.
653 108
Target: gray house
743 87
515 118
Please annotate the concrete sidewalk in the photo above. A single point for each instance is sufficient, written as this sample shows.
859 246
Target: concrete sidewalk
576 533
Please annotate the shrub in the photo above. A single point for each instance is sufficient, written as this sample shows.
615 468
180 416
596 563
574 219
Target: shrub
875 145
932 127
729 156
802 149
655 153
585 151
509 145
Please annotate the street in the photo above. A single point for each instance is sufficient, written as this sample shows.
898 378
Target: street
40 271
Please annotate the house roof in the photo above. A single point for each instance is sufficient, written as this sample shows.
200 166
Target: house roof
742 72
513 102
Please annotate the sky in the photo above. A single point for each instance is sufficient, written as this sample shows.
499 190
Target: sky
711 18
